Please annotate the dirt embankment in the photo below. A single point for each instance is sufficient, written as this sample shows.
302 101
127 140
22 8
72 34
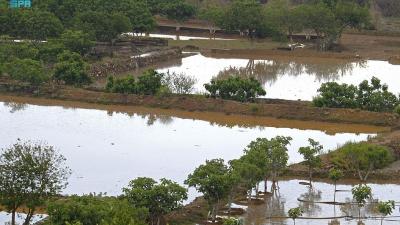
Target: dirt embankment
295 110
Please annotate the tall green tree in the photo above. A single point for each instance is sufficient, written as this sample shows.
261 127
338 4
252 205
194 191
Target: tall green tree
361 193
30 173
335 175
212 179
245 16
141 18
311 156
159 198
179 11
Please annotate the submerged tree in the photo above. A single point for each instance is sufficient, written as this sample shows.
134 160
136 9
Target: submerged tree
335 175
385 208
360 194
30 173
295 213
311 156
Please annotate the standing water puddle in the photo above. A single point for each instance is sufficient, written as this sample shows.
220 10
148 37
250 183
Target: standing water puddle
288 78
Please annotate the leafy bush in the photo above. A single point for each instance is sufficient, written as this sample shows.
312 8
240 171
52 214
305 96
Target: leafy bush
95 210
362 158
49 51
336 95
77 41
149 83
179 83
12 50
71 69
372 97
232 221
26 70
235 88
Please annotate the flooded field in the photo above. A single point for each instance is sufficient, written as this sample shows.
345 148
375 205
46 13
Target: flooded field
316 210
294 78
106 146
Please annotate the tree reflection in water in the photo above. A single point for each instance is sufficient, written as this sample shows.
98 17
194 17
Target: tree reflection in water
15 106
310 207
269 71
151 118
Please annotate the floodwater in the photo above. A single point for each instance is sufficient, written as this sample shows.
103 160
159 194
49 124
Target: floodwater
106 149
316 212
106 146
283 77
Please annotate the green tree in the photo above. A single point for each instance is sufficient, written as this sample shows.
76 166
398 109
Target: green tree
179 11
335 175
385 208
278 156
211 179
362 158
102 26
311 156
361 193
295 213
30 174
141 18
283 18
244 16
26 70
95 210
77 41
159 198
214 16
332 94
43 25
71 69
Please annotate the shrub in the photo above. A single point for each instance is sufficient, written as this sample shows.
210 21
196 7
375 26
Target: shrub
10 51
149 83
362 158
336 95
71 69
372 97
26 70
95 210
235 88
48 52
179 83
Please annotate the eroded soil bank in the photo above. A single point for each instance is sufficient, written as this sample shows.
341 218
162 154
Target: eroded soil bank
282 109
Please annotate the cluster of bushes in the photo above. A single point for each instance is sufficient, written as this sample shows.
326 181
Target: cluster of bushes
151 82
372 97
235 88
102 20
92 209
42 62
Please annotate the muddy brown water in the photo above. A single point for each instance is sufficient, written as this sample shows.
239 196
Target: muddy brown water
106 146
285 77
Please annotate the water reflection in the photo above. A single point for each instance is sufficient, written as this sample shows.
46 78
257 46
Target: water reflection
269 71
286 78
